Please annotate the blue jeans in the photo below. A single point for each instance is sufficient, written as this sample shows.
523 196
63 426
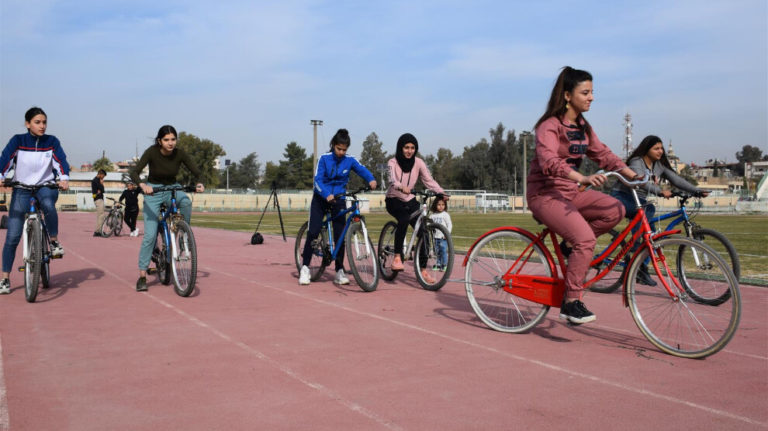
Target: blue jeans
629 204
46 202
152 213
441 247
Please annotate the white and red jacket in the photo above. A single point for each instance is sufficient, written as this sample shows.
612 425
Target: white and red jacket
37 159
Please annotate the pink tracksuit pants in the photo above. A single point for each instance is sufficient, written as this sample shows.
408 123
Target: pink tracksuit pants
579 221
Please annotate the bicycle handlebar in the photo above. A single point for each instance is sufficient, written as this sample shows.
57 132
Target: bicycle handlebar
173 187
352 194
626 182
16 184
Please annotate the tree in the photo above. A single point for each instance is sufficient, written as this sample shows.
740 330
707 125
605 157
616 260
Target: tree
443 168
246 173
687 174
372 157
295 171
748 154
475 167
503 158
103 163
204 154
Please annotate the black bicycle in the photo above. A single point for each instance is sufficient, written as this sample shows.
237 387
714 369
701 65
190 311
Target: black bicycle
175 252
113 222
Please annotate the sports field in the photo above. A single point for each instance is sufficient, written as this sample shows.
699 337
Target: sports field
748 233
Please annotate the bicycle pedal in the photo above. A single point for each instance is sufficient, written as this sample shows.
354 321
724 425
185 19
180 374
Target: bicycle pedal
152 271
57 257
21 269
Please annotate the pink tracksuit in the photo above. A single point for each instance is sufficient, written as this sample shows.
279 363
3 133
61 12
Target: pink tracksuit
554 199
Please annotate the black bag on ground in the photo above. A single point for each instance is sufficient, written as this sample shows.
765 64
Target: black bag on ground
257 239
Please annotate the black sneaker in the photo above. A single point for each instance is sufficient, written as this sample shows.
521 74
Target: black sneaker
97 234
576 312
141 284
565 249
643 277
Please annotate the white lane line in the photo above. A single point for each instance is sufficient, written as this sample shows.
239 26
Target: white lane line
351 405
615 384
5 420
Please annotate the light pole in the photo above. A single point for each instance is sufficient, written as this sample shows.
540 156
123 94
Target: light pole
227 162
525 136
315 123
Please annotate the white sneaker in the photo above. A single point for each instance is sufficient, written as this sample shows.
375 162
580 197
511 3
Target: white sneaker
5 286
56 249
135 232
341 278
304 275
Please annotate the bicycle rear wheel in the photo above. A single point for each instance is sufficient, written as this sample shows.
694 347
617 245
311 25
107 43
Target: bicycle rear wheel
106 226
489 260
184 258
426 251
386 251
362 257
45 263
320 257
33 259
725 249
160 258
683 325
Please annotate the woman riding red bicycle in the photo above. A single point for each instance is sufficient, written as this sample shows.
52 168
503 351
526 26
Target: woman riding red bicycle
563 138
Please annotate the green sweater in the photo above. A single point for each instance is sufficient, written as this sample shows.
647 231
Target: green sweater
164 169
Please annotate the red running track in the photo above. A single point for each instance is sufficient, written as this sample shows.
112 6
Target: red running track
251 349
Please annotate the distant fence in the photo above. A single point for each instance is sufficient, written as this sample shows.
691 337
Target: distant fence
293 200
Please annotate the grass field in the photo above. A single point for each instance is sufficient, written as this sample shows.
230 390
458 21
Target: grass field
748 233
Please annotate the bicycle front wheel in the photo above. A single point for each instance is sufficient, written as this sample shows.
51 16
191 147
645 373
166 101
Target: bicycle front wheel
489 260
320 253
106 225
678 323
33 259
362 257
184 258
117 223
386 251
432 269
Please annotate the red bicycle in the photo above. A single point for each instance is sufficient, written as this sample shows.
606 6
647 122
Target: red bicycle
512 280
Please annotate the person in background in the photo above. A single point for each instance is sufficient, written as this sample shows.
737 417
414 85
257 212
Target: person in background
649 158
563 138
36 158
131 197
331 178
97 190
440 216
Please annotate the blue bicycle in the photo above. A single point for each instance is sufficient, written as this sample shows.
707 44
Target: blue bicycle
175 252
359 247
36 244
712 238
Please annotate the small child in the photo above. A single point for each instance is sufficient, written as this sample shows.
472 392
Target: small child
440 216
131 197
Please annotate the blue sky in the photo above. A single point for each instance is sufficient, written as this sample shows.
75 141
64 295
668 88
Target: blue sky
250 75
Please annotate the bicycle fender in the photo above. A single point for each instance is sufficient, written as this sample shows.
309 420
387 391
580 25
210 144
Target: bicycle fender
502 228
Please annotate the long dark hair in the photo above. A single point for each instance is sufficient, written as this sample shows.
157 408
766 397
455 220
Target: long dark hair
167 129
341 137
645 145
568 79
438 198
33 112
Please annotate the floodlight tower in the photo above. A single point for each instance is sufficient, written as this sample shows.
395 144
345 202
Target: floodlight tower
627 135
315 123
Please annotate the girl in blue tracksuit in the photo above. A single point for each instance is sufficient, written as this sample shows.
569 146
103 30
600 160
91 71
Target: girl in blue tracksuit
331 178
36 158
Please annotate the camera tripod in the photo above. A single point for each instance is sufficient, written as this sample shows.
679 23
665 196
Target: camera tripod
276 203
